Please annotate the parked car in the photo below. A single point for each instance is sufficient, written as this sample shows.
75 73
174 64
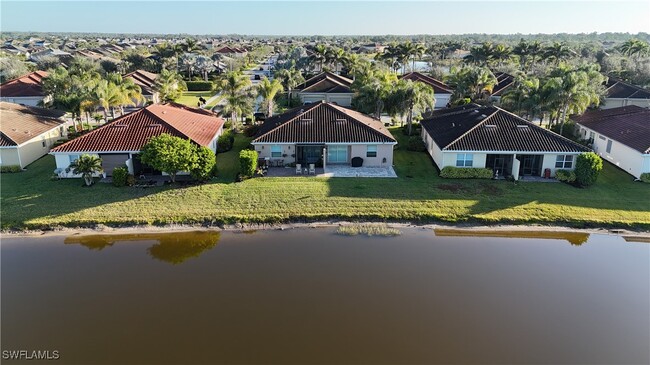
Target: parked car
259 117
261 68
257 77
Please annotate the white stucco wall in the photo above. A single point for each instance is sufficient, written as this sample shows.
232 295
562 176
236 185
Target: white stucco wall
33 149
342 99
617 102
28 100
442 100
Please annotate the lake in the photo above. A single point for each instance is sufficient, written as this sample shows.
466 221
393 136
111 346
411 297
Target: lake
310 296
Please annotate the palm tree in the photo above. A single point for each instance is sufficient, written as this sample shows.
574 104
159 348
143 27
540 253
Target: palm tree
170 85
635 48
557 52
319 55
372 90
417 97
334 56
190 45
269 90
188 61
290 78
523 95
501 53
204 65
416 51
87 166
235 89
480 56
471 83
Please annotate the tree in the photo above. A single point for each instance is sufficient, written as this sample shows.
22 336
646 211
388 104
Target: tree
248 162
473 83
635 48
481 55
204 65
319 55
11 68
372 91
588 167
269 90
48 62
87 166
169 154
557 52
205 161
170 85
290 78
523 96
235 89
188 61
414 97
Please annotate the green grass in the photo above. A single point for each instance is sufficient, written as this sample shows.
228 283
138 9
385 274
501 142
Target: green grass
190 98
30 200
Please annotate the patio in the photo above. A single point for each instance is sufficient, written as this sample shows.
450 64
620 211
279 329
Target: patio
334 171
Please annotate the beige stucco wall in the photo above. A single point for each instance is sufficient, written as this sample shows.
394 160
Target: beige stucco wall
383 151
33 149
264 151
9 157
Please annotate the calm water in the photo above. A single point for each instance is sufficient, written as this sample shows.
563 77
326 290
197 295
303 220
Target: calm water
312 297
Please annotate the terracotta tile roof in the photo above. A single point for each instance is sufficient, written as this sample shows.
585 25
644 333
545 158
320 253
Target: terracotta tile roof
21 123
439 87
322 123
130 132
488 128
146 80
326 82
629 125
227 49
28 85
504 81
620 90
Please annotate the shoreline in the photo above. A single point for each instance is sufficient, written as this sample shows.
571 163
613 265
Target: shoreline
139 229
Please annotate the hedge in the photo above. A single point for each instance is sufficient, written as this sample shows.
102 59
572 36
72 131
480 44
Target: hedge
225 142
10 169
416 144
588 166
567 176
451 172
645 177
120 175
248 162
199 85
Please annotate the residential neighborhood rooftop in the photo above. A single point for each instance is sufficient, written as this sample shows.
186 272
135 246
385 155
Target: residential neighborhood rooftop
439 87
28 85
629 125
21 123
618 89
145 79
326 82
504 81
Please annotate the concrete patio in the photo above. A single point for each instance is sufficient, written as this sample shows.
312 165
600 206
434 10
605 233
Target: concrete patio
334 171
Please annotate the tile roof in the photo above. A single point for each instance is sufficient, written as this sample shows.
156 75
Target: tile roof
439 87
326 82
146 80
322 123
131 131
629 125
28 85
620 90
489 128
504 81
21 123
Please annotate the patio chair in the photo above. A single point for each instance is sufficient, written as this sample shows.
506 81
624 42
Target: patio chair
298 169
312 169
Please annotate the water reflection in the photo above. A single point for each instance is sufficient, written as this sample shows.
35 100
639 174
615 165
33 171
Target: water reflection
574 238
173 247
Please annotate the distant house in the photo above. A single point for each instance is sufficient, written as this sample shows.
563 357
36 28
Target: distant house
119 142
328 87
325 133
504 82
232 51
619 135
64 57
442 91
147 82
26 90
16 49
27 133
372 48
620 94
490 137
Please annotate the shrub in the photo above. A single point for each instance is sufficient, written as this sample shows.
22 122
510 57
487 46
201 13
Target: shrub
10 169
645 177
416 144
251 130
120 174
199 85
205 162
227 124
169 154
451 172
588 166
225 142
248 162
416 128
130 180
567 176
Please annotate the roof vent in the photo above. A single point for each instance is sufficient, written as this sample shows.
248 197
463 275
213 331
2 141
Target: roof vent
490 126
155 125
483 116
118 125
522 126
453 124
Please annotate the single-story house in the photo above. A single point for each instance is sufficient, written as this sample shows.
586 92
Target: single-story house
620 94
327 87
504 82
228 51
26 90
490 137
27 133
442 91
147 82
119 142
324 133
619 135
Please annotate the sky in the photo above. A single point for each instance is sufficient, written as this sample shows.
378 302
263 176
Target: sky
326 18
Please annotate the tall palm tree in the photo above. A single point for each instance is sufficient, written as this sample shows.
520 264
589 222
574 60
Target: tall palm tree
557 52
87 166
372 90
473 83
635 48
235 89
501 53
290 78
481 55
170 85
269 90
319 55
416 51
334 56
417 97
189 62
519 97
190 45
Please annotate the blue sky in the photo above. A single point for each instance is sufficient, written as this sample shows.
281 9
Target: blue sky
326 18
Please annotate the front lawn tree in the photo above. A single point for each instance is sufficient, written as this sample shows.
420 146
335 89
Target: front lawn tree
205 161
169 154
87 166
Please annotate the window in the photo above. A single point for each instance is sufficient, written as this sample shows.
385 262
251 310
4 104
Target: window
602 137
371 151
464 160
337 154
73 158
276 150
591 137
43 143
609 146
564 161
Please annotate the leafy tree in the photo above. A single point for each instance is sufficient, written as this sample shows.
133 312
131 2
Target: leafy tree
48 62
289 78
588 167
524 97
269 90
635 48
372 91
11 68
86 166
557 52
205 161
473 83
169 154
235 89
412 98
170 85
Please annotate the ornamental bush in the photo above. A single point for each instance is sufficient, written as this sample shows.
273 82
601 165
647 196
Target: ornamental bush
645 177
225 142
451 172
566 176
169 154
199 85
205 162
416 144
248 162
588 167
10 169
120 174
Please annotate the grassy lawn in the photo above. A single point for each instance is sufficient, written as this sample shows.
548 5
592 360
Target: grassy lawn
30 200
190 98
